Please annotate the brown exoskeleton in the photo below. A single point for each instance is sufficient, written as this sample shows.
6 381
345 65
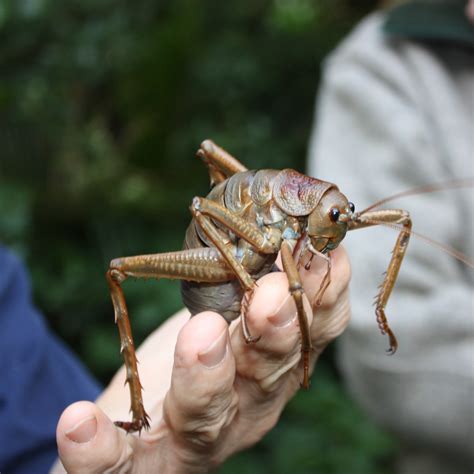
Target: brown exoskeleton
234 238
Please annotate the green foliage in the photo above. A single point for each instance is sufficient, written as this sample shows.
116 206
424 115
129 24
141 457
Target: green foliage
102 105
321 432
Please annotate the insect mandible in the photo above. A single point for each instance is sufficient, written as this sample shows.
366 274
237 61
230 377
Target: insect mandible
234 238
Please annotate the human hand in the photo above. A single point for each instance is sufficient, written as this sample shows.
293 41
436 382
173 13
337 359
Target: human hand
217 395
470 10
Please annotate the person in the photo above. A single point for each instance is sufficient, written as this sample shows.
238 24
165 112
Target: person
395 111
40 376
208 393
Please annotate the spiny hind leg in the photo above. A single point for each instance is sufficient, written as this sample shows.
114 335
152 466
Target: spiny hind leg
221 164
202 264
140 418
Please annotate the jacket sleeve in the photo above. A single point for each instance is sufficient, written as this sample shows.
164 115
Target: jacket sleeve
40 377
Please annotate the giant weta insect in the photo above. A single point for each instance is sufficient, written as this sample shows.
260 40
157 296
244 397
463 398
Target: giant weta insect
234 238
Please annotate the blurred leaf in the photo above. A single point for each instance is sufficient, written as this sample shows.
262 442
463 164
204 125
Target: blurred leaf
320 431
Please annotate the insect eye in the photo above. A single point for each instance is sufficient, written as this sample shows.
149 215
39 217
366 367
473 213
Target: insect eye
334 214
351 207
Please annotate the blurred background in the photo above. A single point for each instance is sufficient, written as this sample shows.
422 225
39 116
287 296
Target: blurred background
103 104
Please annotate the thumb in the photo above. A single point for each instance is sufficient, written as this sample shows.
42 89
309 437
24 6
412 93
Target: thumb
88 441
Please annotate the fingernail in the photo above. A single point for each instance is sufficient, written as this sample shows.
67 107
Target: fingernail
83 431
285 313
216 352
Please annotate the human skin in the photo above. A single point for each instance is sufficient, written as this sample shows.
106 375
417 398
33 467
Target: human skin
470 10
208 393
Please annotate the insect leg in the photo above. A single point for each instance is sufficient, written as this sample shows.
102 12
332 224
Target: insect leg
327 276
202 264
387 216
221 165
127 348
228 253
297 291
264 242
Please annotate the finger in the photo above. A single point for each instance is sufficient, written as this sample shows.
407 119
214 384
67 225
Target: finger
88 442
155 362
201 401
272 315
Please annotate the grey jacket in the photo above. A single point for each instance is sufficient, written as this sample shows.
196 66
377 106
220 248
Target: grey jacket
396 112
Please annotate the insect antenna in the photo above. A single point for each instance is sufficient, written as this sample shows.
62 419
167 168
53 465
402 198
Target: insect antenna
445 248
428 188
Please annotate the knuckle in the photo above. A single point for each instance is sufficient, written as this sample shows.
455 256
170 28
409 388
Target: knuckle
203 429
121 465
201 424
273 370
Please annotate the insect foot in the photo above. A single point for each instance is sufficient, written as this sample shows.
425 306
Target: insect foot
135 425
249 339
